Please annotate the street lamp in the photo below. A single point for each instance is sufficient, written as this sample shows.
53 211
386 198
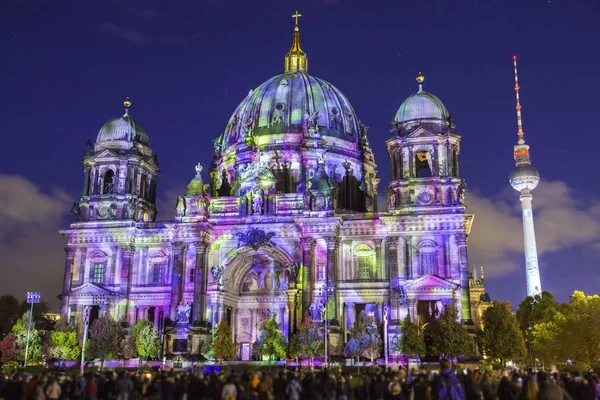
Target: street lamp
32 298
96 300
323 308
385 332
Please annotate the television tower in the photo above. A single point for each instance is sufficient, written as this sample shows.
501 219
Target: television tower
524 178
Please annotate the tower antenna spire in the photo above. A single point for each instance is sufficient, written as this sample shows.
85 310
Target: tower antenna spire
519 118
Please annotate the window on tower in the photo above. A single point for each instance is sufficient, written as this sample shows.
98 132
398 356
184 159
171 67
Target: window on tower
423 164
364 267
98 276
107 185
158 271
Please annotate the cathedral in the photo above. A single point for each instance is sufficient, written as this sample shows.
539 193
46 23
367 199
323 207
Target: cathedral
285 222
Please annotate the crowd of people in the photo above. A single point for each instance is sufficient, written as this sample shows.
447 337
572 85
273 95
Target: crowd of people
447 384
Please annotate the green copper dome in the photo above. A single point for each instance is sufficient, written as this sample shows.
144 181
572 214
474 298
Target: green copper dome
421 106
292 103
123 128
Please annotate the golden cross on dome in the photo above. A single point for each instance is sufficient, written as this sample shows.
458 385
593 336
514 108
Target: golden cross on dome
296 16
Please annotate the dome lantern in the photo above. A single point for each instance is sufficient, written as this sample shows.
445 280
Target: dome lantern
296 59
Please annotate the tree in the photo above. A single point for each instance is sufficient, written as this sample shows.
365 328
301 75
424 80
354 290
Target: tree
411 338
577 333
63 345
224 347
9 313
35 340
451 339
501 338
8 348
143 340
365 339
538 310
271 342
106 337
308 341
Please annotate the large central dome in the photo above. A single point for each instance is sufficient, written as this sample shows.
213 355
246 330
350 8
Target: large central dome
291 103
305 132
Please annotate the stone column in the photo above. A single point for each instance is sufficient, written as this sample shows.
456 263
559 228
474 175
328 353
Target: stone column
392 261
330 279
464 277
234 324
446 250
156 313
199 282
178 258
112 267
140 313
127 277
353 315
67 279
409 257
292 293
379 260
86 180
307 245
253 324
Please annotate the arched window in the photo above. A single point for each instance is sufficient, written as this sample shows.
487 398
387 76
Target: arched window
108 184
98 273
364 262
158 273
423 164
427 258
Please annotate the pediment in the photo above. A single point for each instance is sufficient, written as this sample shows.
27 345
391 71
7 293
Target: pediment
430 283
90 289
421 132
106 153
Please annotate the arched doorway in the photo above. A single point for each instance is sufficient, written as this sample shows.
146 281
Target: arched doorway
253 288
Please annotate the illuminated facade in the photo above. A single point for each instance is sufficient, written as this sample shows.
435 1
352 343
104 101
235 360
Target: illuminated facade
287 223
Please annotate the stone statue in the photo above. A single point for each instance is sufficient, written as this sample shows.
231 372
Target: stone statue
181 206
314 119
461 192
248 129
183 313
217 272
76 211
283 281
392 200
307 197
258 202
430 163
292 270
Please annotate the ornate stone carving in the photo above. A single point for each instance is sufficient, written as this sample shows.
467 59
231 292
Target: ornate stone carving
255 238
183 313
292 271
217 272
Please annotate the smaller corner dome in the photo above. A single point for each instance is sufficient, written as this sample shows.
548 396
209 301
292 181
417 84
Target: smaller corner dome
123 128
421 106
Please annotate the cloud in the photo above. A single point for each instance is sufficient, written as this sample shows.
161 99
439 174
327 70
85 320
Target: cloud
562 220
130 35
30 245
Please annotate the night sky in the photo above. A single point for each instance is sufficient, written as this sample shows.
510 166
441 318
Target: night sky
66 68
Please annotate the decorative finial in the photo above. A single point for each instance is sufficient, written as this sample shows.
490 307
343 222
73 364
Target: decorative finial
420 78
127 104
295 59
296 16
